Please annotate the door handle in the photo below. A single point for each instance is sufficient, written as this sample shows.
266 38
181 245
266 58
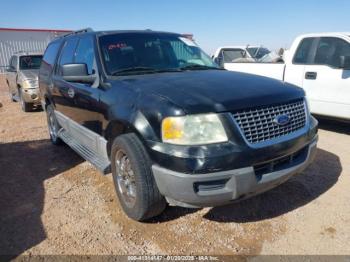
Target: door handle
310 75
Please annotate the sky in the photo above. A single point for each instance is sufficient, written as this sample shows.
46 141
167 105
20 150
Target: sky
271 23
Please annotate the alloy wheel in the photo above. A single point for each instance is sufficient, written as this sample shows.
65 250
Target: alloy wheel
125 178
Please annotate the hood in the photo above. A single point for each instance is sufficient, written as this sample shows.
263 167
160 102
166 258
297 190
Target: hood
30 74
205 91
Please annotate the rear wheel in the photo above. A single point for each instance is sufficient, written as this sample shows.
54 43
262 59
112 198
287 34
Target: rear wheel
53 126
26 107
133 179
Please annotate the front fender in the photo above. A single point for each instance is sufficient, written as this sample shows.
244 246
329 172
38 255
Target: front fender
124 120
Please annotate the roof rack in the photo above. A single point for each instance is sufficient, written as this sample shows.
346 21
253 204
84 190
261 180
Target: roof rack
80 31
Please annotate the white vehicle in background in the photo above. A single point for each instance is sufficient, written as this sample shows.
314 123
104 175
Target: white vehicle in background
318 63
245 54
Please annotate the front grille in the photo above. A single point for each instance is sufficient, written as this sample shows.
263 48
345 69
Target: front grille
258 124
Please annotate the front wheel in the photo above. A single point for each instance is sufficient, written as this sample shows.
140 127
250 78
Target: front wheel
26 107
12 99
133 179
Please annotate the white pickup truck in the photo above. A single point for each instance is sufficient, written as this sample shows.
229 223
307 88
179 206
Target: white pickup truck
319 63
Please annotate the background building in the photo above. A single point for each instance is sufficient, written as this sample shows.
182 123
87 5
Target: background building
13 40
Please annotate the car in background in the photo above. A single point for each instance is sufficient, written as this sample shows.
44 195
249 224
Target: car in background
22 79
244 54
320 64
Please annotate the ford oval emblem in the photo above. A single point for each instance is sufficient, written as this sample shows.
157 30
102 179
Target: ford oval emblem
281 120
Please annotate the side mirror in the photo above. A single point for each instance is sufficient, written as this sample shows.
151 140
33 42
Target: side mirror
10 69
77 73
345 62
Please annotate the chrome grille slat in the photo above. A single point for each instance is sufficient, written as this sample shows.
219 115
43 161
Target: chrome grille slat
257 124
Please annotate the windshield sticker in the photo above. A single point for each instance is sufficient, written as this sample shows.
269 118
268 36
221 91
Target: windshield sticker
116 46
187 41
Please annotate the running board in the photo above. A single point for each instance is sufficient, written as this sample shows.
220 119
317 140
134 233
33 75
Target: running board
102 164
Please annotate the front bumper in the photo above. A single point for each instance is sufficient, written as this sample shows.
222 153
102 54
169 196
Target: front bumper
31 95
218 188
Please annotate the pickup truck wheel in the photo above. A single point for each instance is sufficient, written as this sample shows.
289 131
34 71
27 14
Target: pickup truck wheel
12 99
133 179
53 126
26 107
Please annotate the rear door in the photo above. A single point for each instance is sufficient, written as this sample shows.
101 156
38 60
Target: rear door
326 84
46 70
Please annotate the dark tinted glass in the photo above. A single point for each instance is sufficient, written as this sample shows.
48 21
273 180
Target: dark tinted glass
30 62
51 53
67 54
85 53
302 54
330 50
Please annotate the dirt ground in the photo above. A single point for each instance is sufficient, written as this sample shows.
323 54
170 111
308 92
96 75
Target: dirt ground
53 202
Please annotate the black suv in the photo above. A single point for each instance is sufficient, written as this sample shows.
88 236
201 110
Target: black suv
171 126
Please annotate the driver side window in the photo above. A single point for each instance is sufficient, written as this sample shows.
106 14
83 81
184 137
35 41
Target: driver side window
85 54
67 53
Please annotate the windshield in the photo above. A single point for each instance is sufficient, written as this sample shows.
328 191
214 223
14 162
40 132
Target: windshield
30 62
231 55
138 53
258 52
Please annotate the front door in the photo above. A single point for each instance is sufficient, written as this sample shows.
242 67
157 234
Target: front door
327 86
79 102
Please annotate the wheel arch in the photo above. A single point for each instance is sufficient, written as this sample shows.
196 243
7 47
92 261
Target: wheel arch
47 101
116 128
136 123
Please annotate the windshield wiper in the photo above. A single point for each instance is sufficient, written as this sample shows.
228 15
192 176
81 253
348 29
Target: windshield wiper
143 69
199 67
134 69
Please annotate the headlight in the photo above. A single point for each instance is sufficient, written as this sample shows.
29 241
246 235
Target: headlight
30 83
193 130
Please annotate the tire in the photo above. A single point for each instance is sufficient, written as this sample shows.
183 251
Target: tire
53 126
26 107
144 200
